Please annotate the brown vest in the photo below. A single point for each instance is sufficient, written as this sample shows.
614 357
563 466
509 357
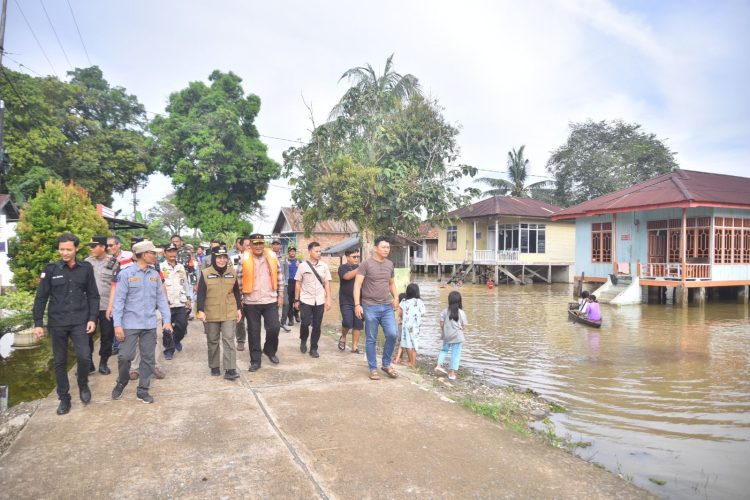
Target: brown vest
220 302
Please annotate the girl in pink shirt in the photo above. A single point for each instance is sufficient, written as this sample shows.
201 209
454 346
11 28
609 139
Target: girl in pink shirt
594 314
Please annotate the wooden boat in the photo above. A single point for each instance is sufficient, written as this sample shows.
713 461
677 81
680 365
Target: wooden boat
574 317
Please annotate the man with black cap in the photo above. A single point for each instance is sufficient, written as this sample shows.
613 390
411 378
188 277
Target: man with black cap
138 294
180 298
276 248
219 307
262 295
104 269
70 287
289 265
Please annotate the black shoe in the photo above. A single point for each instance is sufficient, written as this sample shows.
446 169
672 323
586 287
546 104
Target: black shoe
115 351
145 397
85 394
117 391
273 358
92 367
215 372
168 356
254 367
178 346
103 368
303 346
296 318
231 374
64 406
285 328
314 353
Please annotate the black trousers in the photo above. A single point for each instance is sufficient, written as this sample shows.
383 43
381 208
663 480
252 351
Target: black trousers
60 335
269 313
179 328
311 315
106 336
288 313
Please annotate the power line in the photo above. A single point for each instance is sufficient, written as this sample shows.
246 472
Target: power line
79 32
54 72
41 2
21 65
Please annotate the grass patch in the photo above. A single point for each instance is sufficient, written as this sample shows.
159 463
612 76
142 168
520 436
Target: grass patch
657 481
557 408
566 442
505 412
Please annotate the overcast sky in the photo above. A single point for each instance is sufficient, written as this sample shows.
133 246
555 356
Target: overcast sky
509 73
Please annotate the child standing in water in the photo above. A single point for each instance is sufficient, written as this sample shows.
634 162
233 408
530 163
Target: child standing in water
412 309
452 323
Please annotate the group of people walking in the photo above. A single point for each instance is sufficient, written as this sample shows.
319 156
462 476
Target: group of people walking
235 293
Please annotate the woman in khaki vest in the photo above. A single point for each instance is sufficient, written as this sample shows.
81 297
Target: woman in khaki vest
219 308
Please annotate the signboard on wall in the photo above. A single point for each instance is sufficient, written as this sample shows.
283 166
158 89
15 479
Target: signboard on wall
625 237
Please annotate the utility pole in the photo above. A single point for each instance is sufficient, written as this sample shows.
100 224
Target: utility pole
2 31
4 162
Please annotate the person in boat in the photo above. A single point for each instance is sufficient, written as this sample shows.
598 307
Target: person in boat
583 303
593 311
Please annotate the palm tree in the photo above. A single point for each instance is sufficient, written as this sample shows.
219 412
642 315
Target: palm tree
516 186
375 94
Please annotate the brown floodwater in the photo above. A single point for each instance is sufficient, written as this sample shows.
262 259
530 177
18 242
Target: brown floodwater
659 391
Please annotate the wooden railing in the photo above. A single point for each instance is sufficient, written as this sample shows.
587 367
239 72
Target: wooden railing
497 257
674 271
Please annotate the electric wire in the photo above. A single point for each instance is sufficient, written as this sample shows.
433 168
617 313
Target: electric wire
54 31
54 72
80 37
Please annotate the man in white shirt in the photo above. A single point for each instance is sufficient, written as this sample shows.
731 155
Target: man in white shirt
312 296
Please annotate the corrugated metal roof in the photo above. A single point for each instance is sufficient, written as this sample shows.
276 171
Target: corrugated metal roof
506 205
674 189
428 232
294 217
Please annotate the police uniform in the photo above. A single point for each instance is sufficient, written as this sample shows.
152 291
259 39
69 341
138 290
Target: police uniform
179 294
73 301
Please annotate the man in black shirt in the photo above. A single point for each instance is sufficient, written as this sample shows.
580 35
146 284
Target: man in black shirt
347 273
70 287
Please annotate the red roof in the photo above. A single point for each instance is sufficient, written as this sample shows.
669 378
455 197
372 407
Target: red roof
680 188
506 205
427 231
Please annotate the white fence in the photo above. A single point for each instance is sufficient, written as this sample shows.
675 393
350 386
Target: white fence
496 257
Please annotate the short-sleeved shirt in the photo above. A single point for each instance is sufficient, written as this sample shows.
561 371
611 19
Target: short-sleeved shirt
312 291
376 285
346 287
453 331
103 272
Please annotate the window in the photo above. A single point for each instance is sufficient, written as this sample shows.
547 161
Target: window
528 238
451 240
731 240
601 242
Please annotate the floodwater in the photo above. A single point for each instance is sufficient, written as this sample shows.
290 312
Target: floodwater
659 391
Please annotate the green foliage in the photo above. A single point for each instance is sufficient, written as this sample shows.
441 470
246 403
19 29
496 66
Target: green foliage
57 209
602 157
517 173
503 411
83 131
171 219
385 160
209 145
17 306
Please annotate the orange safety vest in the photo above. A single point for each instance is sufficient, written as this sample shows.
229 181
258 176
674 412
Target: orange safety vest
248 270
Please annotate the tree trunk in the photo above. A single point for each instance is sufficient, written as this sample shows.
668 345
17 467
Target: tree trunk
368 242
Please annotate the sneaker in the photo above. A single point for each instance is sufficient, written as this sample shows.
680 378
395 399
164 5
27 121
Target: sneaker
168 356
134 375
285 328
159 373
231 374
452 375
145 397
117 391
178 346
240 346
215 372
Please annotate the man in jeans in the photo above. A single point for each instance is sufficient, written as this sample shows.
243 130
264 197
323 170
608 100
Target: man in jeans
262 295
70 288
312 296
138 294
372 303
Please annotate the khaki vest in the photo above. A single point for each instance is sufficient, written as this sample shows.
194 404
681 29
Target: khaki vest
220 302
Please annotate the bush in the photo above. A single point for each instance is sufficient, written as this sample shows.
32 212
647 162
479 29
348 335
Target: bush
15 310
58 208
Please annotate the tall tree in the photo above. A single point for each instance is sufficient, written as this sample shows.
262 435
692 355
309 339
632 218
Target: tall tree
57 209
386 158
602 157
208 143
517 173
83 130
168 216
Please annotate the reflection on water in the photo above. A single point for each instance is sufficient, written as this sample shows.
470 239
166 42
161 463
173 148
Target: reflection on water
661 392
